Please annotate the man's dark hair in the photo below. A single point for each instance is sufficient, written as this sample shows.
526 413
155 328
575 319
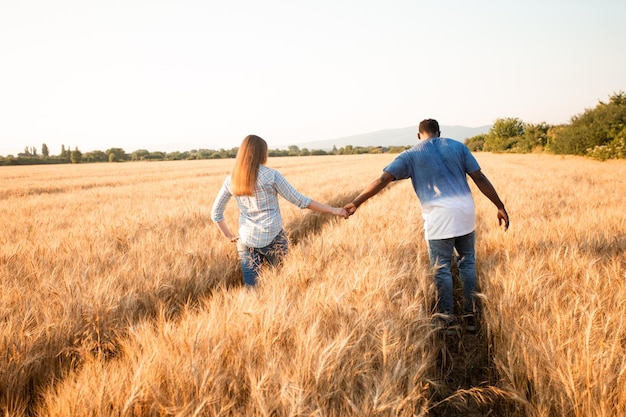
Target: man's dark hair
429 126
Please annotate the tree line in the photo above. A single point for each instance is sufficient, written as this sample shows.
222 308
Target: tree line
598 133
30 156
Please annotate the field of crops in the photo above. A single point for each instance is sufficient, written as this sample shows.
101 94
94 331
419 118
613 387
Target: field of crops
119 297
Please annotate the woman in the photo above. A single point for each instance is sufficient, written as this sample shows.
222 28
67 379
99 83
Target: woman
256 188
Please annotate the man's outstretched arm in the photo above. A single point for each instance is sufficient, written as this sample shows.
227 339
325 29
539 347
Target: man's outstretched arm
369 191
485 187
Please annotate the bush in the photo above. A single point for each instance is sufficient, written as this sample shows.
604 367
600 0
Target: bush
594 131
476 143
613 150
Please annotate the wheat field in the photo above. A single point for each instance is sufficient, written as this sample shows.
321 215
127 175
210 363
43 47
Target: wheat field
119 297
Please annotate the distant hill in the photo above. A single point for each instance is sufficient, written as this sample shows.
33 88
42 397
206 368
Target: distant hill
393 137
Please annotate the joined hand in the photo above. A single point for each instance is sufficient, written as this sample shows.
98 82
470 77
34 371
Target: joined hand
350 208
342 212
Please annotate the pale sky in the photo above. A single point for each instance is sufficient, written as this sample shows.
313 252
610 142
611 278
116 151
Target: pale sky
185 74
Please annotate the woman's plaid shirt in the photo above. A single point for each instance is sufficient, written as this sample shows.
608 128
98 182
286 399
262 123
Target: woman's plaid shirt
260 220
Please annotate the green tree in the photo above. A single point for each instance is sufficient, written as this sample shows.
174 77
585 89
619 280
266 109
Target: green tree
509 127
175 156
612 150
139 155
65 152
294 150
476 143
95 156
278 152
535 138
594 127
398 149
504 134
45 152
116 154
160 156
204 154
76 156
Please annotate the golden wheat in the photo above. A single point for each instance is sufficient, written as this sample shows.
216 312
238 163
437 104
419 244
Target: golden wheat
120 297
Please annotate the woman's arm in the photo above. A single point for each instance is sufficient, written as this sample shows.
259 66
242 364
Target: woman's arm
289 193
217 212
337 211
226 231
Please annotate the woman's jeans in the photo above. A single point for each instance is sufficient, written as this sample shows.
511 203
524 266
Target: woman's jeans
252 258
440 252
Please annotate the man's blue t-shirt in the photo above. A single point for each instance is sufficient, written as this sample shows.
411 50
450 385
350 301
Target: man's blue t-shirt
437 168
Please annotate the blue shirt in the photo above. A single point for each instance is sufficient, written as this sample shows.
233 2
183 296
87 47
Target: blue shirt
437 168
259 220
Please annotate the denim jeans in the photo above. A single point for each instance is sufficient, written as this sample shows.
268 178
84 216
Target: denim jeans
252 258
440 253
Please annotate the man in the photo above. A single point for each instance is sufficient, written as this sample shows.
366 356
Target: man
437 168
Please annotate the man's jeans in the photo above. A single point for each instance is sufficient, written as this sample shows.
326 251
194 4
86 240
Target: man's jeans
440 252
252 258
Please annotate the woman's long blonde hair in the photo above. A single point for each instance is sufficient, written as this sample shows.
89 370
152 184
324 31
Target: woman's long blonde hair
251 154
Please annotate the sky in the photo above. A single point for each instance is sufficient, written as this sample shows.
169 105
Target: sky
166 75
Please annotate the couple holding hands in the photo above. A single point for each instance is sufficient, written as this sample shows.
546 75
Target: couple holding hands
437 168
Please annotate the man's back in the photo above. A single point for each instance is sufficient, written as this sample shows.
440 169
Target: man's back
437 168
